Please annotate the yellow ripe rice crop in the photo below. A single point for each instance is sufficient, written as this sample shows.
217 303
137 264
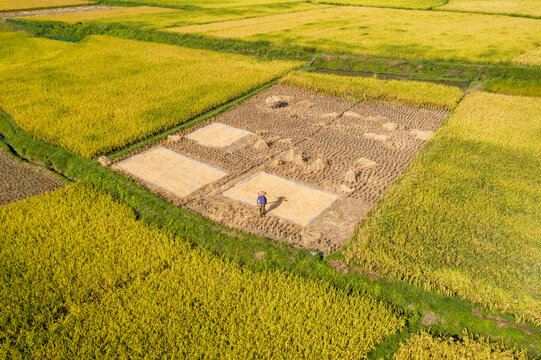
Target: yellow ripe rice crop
161 18
102 14
404 4
389 32
426 347
532 57
211 3
359 89
103 93
465 218
38 4
86 279
515 7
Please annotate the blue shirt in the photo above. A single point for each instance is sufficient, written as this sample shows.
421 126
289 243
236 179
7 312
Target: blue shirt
261 200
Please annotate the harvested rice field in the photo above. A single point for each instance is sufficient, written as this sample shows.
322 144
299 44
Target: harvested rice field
86 279
132 88
388 32
343 154
20 180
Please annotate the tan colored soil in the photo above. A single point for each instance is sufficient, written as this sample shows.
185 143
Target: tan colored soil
20 180
171 171
300 140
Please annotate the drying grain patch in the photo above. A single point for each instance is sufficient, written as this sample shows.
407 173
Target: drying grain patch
288 200
218 135
171 171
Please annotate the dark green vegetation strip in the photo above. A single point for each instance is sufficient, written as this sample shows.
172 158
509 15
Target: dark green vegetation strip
455 314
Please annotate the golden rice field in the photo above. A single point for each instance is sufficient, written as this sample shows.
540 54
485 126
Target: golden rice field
85 279
406 4
516 7
37 4
424 346
103 14
160 18
532 57
465 219
359 89
104 92
389 32
209 3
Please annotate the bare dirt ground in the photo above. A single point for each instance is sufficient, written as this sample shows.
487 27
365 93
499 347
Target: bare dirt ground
54 11
20 180
354 150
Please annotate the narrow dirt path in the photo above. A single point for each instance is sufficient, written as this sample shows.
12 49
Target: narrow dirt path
42 12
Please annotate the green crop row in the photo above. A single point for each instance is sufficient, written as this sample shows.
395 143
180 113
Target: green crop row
465 219
359 89
103 93
81 277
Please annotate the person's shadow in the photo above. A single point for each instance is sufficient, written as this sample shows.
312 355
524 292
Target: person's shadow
274 204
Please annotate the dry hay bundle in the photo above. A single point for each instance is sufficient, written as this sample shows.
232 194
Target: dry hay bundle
319 164
422 135
351 176
366 163
261 145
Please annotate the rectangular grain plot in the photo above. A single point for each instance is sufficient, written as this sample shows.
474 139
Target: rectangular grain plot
287 199
171 171
218 135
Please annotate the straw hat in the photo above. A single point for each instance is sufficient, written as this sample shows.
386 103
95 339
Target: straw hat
262 193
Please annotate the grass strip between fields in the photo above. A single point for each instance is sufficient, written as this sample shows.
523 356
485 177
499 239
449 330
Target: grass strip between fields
361 89
455 313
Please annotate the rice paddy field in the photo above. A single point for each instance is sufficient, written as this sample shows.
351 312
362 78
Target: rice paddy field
402 4
130 89
514 7
369 31
146 17
208 3
424 346
358 89
38 4
86 279
473 199
418 122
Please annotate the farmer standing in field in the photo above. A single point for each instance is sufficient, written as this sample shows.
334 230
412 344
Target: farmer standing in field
261 202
